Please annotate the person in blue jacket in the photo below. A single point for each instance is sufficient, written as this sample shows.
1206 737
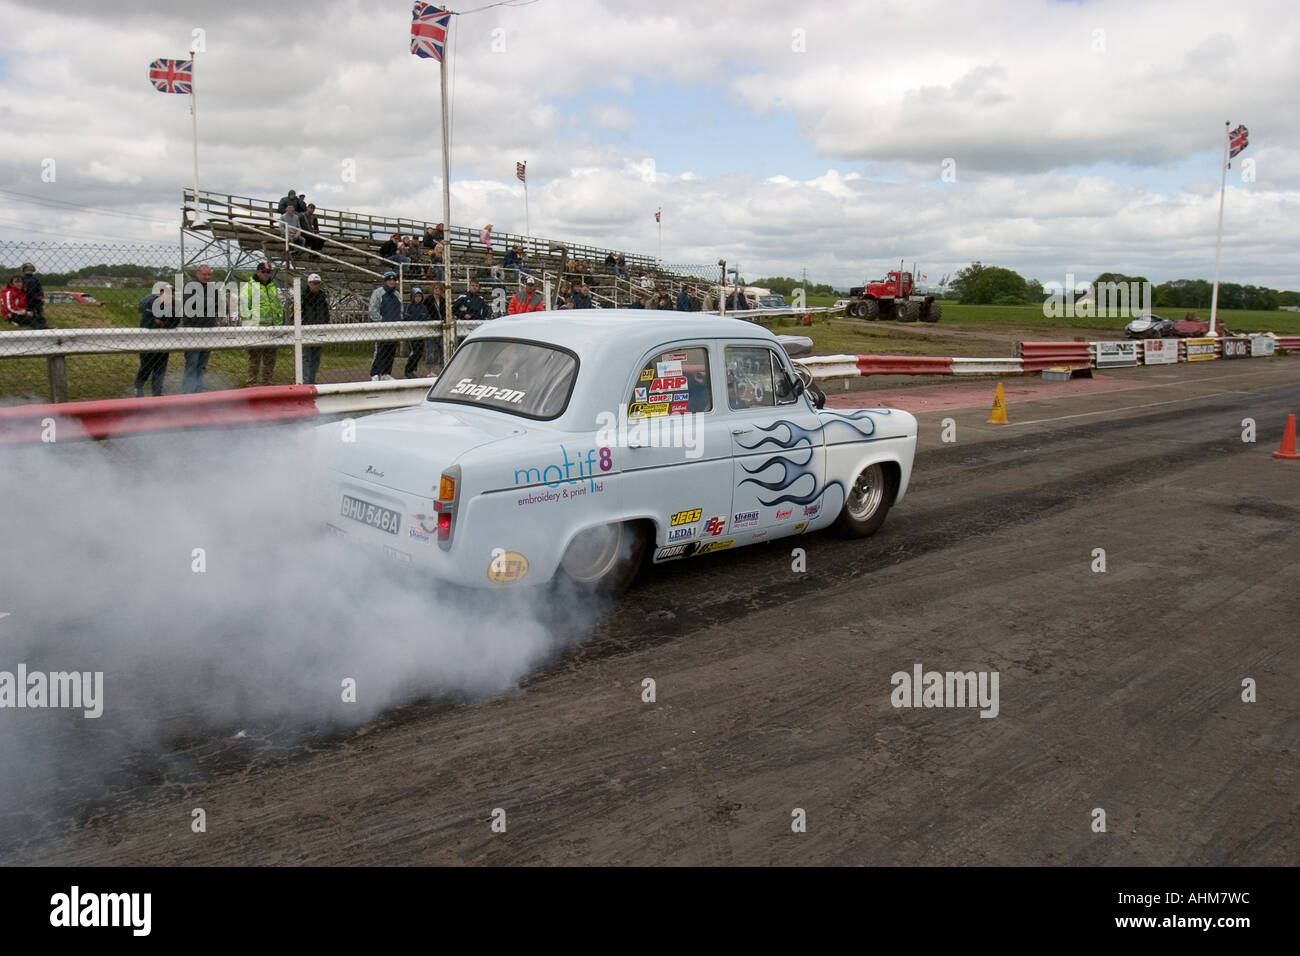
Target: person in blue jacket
157 311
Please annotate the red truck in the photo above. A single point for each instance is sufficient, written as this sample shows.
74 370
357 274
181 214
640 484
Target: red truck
884 299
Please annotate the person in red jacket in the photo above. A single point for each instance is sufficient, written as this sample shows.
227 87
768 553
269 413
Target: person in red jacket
13 302
531 301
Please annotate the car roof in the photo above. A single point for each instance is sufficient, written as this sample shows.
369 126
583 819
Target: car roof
595 330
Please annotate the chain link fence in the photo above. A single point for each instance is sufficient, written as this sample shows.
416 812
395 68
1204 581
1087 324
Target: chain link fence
90 339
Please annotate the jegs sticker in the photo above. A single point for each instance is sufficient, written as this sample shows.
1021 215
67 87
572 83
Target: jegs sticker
685 517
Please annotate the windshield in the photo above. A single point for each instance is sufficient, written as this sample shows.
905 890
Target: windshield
523 378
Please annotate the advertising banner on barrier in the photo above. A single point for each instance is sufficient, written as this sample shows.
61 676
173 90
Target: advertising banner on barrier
1235 348
1262 345
1116 354
1200 350
1159 351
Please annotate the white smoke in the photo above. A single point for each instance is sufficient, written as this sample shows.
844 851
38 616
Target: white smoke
97 574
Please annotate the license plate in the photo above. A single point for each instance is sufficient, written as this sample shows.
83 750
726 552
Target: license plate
385 519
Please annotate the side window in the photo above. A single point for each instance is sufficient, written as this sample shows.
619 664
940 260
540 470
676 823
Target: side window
672 383
755 378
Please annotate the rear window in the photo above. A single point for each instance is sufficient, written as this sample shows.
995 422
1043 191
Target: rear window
523 378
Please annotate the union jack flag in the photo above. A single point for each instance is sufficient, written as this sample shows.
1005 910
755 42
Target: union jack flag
1238 140
172 76
657 211
519 172
429 30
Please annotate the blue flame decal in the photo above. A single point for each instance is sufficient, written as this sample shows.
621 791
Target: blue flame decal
799 438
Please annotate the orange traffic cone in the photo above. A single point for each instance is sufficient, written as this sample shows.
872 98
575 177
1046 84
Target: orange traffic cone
1288 441
998 416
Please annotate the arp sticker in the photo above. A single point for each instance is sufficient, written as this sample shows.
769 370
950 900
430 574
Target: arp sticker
674 384
507 567
708 546
685 517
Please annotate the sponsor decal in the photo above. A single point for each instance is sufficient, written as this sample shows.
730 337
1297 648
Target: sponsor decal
681 396
1116 354
663 369
679 408
507 567
1159 351
758 534
580 470
647 410
782 515
1236 348
674 384
744 519
676 551
685 517
675 357
468 389
640 394
647 374
656 399
681 534
419 534
1199 350
715 526
801 525
372 470
1259 345
810 510
708 546
399 556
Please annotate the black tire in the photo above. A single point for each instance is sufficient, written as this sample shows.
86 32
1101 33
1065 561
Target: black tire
869 309
911 310
604 559
932 313
866 502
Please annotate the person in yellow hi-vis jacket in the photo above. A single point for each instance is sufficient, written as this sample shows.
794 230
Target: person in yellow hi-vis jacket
259 304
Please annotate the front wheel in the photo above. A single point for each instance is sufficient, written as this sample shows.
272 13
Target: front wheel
604 559
866 502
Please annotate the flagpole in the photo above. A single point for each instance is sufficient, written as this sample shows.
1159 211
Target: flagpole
194 115
1218 245
659 221
448 320
528 229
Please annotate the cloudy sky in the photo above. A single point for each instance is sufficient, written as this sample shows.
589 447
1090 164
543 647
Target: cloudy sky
1042 136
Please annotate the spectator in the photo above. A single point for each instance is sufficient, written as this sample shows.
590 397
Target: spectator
200 313
470 305
388 249
385 306
35 295
315 311
611 264
439 232
620 265
289 226
563 295
531 301
514 260
14 303
641 302
737 301
301 203
430 241
497 273
157 311
286 201
683 299
485 236
582 297
647 281
664 302
430 348
259 304
311 230
417 310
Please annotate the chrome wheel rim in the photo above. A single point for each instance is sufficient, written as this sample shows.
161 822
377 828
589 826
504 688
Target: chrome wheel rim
593 553
867 493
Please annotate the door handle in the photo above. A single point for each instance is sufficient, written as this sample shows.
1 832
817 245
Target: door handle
742 431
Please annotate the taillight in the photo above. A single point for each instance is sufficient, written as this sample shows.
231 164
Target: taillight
445 506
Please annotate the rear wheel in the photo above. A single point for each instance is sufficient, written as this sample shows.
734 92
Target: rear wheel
869 309
932 313
911 310
866 502
605 559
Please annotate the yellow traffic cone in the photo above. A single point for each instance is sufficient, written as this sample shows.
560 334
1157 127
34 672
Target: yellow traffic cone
999 414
